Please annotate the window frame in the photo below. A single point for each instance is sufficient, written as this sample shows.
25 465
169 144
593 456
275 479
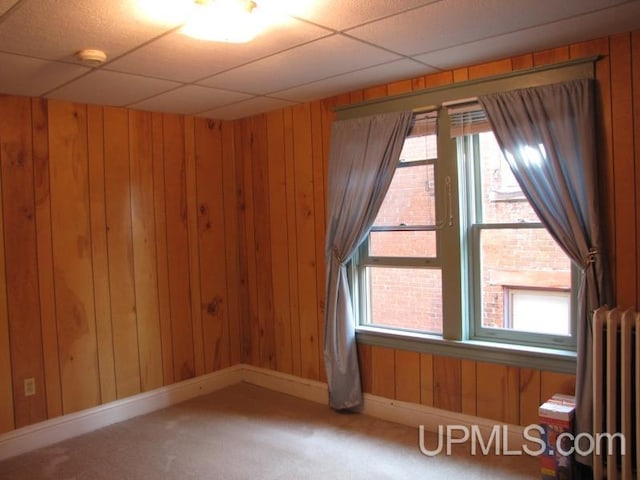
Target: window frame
456 339
468 154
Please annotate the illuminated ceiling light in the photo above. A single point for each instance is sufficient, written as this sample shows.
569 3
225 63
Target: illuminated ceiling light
232 21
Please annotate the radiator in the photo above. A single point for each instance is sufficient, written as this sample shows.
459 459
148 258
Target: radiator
616 392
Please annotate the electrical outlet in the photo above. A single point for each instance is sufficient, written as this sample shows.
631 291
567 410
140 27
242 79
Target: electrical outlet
29 387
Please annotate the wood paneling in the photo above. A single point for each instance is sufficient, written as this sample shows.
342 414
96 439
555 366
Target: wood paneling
120 251
162 265
407 376
625 202
20 246
178 246
279 241
45 257
100 255
72 256
192 235
101 250
143 236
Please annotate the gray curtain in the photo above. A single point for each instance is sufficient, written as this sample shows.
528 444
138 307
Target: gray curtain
363 155
548 136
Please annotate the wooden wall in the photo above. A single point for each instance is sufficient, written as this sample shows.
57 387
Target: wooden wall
283 158
141 249
120 263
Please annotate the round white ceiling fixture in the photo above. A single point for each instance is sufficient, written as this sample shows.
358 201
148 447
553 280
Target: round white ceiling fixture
92 56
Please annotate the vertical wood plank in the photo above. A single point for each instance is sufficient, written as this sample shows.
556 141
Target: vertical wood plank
426 379
319 163
246 235
366 372
490 68
120 251
550 56
441 78
625 202
306 238
7 420
383 380
468 387
211 244
231 240
45 257
71 234
164 306
99 254
529 395
407 376
192 231
262 240
279 241
497 392
447 383
522 62
294 300
144 250
635 75
552 383
399 87
377 91
21 266
178 246
461 74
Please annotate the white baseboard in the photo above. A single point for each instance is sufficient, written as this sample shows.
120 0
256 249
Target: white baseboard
405 413
58 429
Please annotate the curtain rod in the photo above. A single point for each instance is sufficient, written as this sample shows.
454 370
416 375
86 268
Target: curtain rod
479 81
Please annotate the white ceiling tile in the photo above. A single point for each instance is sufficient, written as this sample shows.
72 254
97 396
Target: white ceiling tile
190 99
452 22
111 88
341 14
618 19
56 29
367 77
182 58
6 5
323 58
246 108
33 77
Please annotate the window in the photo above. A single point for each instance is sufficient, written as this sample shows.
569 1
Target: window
398 264
456 250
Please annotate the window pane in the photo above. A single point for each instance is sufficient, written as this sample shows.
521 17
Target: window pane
502 199
410 199
406 298
424 147
524 258
414 243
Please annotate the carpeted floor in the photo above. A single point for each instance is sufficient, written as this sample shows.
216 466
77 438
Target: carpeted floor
247 432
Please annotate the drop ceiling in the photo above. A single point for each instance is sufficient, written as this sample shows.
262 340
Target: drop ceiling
327 47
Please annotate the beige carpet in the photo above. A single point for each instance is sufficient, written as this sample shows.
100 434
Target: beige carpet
246 432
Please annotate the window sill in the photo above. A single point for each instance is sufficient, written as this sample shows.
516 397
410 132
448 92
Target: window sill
548 359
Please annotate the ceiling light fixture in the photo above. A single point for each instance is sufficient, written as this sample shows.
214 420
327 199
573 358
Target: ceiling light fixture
232 21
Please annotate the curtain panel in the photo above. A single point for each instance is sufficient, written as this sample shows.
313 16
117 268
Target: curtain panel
548 137
362 159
